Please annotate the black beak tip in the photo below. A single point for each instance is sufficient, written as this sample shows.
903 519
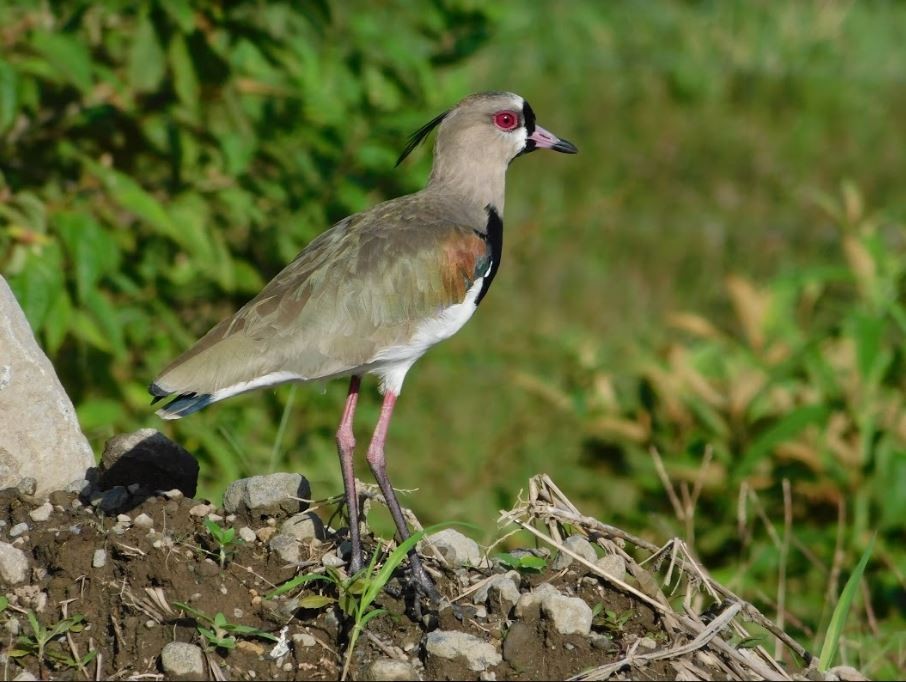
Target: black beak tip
565 147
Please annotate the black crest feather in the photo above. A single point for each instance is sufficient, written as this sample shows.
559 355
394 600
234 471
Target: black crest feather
416 138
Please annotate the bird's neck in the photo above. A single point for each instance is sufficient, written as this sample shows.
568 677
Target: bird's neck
476 184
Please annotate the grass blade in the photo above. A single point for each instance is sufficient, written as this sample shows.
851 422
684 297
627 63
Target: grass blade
841 611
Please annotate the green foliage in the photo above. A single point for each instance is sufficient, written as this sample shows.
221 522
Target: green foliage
221 633
40 643
841 611
224 537
528 563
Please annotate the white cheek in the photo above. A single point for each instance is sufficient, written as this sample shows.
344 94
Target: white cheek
514 139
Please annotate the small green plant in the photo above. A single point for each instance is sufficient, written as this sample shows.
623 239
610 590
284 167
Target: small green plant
524 563
224 537
37 643
841 611
610 620
221 633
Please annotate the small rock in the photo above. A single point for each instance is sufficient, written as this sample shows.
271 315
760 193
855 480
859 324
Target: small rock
392 670
613 565
24 676
200 510
13 564
520 643
181 659
265 533
456 548
602 642
647 643
578 545
502 591
570 615
451 644
149 458
487 676
81 486
261 496
112 499
41 513
247 534
303 526
173 494
124 518
215 517
99 559
845 673
331 560
532 600
134 488
286 548
18 529
304 639
143 521
27 486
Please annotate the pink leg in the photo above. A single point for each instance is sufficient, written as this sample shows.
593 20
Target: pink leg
378 467
346 448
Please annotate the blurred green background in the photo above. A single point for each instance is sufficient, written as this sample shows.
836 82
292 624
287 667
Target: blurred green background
718 275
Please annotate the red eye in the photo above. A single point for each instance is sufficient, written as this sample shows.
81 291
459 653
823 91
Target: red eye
506 120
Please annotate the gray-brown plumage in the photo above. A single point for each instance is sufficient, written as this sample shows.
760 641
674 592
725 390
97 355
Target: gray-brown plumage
379 288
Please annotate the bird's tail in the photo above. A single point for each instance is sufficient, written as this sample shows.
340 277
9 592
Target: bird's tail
183 404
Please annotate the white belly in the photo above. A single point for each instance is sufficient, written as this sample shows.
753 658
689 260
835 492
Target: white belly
391 364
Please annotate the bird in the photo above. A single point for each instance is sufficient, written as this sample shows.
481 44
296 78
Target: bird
370 295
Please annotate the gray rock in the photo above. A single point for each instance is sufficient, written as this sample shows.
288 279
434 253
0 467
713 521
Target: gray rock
111 500
13 564
41 513
82 486
501 591
247 534
184 660
149 458
332 560
28 486
18 529
452 644
569 615
99 559
578 545
533 600
304 526
143 521
520 645
39 433
456 548
24 676
303 639
392 670
613 565
286 547
271 495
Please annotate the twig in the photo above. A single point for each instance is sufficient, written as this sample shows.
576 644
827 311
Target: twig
781 570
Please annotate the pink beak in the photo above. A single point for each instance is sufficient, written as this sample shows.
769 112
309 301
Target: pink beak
544 139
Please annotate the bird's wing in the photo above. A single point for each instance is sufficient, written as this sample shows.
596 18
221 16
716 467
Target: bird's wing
362 286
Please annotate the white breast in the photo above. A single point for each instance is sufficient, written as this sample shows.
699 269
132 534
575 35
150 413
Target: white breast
391 364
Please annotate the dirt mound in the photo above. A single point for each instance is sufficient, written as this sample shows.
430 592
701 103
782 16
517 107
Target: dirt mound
105 596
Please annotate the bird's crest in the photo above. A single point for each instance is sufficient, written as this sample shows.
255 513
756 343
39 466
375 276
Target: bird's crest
416 138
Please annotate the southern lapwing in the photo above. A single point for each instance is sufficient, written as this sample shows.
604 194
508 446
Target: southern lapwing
378 289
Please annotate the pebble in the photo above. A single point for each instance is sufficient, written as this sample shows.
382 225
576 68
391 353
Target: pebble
13 564
613 565
215 517
569 615
113 499
247 534
265 533
647 643
41 513
304 639
392 670
200 510
18 529
533 599
578 545
181 659
124 518
331 560
267 495
502 591
143 521
27 486
82 486
99 559
286 548
173 494
451 644
24 676
303 526
456 548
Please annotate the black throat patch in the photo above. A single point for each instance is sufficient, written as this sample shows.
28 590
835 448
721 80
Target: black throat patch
494 239
528 120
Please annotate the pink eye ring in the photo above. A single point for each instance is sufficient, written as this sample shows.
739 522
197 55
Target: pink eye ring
506 120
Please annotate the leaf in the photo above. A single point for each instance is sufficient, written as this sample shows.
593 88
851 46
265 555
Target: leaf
784 429
4 603
9 99
90 248
316 601
68 57
298 581
181 12
841 611
185 80
146 58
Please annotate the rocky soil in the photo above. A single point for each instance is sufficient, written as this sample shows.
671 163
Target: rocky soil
126 583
